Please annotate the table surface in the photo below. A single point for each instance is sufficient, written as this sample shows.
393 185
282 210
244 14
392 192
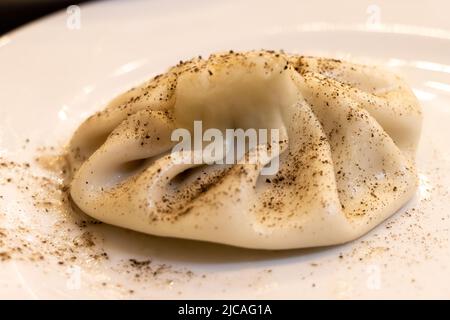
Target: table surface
15 13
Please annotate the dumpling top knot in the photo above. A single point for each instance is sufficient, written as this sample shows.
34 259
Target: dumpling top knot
236 91
345 141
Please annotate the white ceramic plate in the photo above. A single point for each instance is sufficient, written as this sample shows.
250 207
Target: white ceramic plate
54 75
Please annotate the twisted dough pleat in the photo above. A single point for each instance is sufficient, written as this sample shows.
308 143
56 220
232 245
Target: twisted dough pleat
346 157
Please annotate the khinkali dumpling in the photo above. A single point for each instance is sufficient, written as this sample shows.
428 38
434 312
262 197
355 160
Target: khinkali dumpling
348 135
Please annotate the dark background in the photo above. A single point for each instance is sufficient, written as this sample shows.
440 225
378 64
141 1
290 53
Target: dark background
14 13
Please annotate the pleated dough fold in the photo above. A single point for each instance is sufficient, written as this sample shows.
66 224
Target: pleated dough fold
346 161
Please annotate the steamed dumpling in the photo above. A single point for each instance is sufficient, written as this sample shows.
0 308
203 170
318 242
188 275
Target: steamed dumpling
348 135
